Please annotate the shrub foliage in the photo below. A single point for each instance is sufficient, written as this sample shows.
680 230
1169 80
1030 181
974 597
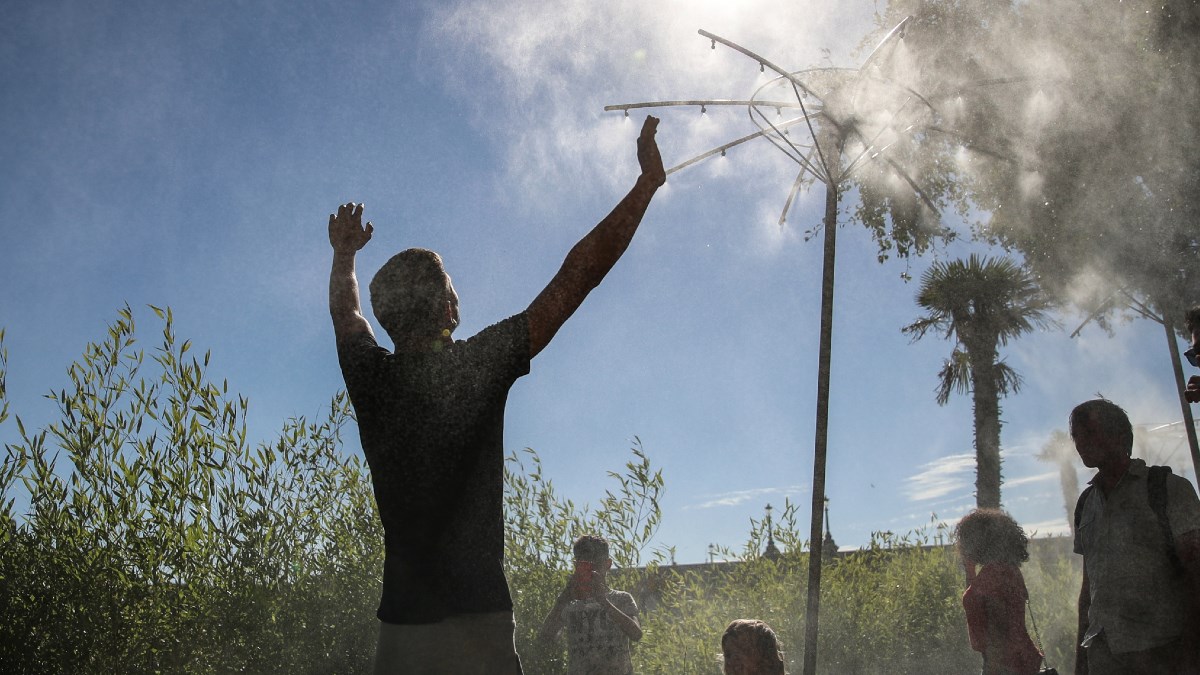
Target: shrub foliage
141 532
157 539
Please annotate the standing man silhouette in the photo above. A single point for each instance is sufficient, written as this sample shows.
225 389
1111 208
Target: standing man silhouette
1138 530
431 419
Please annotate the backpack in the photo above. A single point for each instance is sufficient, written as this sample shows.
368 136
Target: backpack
1156 493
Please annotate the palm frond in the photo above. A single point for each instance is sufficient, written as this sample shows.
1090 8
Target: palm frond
1008 381
955 376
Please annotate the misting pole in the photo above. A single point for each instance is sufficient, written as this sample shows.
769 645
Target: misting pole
821 161
816 531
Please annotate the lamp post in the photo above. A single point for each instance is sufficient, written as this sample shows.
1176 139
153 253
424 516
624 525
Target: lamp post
771 552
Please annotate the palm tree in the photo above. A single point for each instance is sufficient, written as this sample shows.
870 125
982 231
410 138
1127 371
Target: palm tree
1060 450
982 303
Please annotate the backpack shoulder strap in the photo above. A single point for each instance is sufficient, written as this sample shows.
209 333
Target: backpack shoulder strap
1156 494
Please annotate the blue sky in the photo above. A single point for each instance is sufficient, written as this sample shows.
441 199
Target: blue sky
181 156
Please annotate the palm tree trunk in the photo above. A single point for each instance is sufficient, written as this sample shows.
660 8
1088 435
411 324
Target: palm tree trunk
1068 480
986 403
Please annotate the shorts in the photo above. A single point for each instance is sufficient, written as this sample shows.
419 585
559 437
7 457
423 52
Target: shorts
466 644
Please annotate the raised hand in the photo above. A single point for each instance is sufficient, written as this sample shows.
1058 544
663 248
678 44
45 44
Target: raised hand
599 587
647 152
346 231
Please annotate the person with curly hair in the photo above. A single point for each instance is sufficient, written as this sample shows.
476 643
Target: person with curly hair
750 647
995 598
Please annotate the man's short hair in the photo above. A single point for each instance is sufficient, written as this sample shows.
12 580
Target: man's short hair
1191 320
591 547
408 293
991 535
1109 418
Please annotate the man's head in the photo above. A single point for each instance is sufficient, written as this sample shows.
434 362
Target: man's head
1102 432
593 549
1191 323
412 296
750 647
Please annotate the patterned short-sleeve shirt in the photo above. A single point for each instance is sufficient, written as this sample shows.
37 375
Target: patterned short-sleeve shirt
595 643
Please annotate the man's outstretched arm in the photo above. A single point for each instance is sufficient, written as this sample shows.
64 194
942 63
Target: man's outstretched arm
591 259
346 235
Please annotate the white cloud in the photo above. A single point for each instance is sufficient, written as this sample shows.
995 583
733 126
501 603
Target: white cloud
941 477
555 65
739 496
950 481
1054 527
1036 478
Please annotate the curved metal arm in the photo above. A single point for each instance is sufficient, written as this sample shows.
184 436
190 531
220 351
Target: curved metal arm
897 32
797 87
699 102
762 60
792 150
722 148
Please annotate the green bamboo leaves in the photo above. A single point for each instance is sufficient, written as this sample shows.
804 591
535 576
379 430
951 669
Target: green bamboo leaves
143 532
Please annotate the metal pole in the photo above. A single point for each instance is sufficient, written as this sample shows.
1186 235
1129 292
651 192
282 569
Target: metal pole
816 533
1189 423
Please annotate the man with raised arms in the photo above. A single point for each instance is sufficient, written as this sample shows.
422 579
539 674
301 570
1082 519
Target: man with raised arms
431 415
